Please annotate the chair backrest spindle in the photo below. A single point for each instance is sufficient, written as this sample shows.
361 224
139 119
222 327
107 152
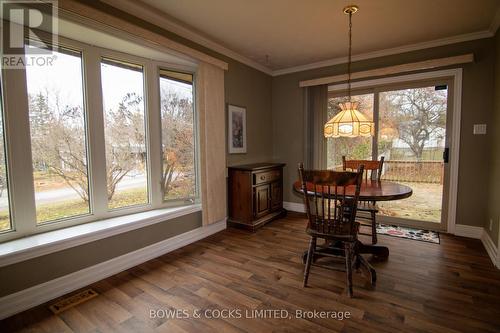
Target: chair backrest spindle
326 187
374 167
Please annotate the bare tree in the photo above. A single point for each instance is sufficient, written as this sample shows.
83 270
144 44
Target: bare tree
58 141
416 114
125 140
177 138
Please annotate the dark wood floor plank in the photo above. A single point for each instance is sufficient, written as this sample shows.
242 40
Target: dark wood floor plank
449 287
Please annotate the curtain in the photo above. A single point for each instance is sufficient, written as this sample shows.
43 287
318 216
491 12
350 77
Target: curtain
210 106
316 108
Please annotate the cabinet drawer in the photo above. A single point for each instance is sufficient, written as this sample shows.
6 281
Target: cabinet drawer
266 176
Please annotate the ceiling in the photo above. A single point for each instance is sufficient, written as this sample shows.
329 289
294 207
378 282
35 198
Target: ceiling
300 32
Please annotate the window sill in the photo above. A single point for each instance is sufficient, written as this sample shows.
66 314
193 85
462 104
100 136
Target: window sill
41 244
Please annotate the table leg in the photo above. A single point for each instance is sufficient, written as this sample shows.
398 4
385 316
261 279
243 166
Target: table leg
376 250
370 271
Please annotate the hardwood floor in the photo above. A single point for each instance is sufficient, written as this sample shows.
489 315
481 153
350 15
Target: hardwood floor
423 287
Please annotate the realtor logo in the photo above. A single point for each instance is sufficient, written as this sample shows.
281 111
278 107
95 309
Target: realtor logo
29 32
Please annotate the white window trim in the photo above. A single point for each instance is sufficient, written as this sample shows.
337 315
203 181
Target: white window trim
20 176
49 242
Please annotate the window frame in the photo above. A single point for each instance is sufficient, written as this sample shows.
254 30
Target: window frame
81 217
19 157
141 62
6 152
196 158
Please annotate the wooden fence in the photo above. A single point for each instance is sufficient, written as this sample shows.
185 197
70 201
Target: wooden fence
414 171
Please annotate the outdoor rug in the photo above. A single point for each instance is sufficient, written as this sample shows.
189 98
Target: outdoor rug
409 233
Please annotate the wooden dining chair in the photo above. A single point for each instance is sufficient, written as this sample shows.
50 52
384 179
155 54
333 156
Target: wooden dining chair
373 171
331 215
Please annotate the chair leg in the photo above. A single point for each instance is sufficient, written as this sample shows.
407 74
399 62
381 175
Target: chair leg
372 274
374 227
348 267
310 256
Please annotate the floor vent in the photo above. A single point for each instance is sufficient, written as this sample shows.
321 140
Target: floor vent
73 300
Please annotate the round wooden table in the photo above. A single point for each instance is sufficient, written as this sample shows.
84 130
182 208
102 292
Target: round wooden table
371 190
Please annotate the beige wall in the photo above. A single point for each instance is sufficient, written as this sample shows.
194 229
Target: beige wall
34 271
250 88
477 104
494 200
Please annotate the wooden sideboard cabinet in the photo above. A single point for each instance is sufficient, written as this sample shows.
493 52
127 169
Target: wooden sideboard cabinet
255 194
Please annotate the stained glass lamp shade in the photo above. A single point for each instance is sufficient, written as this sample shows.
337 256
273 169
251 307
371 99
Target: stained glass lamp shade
349 122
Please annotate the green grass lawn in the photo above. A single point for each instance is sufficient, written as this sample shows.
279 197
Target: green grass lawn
70 208
129 198
423 205
4 220
182 188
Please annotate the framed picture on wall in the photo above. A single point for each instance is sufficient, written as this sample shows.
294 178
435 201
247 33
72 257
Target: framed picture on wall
237 131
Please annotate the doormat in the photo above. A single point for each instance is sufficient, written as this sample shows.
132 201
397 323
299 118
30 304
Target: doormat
409 233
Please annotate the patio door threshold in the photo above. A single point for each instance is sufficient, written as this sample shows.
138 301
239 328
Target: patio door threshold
417 224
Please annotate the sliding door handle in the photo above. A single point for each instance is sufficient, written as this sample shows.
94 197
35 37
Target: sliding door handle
446 155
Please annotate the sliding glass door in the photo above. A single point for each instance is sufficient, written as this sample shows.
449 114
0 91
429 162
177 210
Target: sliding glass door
412 133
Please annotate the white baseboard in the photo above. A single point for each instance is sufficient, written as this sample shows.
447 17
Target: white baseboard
294 207
36 295
460 230
468 231
491 249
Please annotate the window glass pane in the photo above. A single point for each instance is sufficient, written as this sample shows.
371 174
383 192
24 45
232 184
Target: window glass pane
4 192
58 137
412 137
125 133
177 128
359 148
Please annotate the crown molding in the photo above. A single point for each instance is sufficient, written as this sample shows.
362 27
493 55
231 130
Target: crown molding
158 18
386 52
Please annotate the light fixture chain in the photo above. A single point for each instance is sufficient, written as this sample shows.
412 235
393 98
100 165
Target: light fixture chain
349 122
349 57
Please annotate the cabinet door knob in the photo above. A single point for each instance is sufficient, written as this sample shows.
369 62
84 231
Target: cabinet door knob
262 177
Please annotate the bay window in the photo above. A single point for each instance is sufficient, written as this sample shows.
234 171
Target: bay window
107 133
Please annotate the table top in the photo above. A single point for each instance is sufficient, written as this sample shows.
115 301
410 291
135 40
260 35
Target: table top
371 190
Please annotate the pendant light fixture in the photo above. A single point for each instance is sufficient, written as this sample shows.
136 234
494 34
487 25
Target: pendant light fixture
349 122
